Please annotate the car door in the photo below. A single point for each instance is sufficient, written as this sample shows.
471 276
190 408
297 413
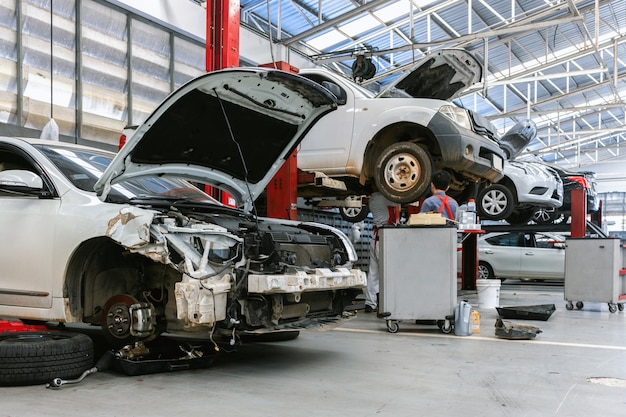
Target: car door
543 257
27 233
503 253
326 147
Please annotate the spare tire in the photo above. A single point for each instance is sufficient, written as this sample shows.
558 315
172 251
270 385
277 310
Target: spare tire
38 357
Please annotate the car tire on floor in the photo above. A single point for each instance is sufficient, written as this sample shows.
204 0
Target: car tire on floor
28 358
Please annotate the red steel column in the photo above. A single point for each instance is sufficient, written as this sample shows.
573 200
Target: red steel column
222 34
222 51
578 226
282 192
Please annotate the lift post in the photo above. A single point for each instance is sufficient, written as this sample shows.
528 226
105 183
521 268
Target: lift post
579 213
282 192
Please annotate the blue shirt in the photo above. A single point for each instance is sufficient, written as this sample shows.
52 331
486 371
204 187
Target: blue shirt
434 203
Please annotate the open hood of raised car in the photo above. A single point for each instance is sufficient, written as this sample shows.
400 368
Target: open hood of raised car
231 129
441 75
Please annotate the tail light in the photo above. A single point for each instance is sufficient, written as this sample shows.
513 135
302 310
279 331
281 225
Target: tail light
581 180
122 141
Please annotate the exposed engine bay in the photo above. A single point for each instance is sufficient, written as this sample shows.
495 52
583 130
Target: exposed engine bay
239 274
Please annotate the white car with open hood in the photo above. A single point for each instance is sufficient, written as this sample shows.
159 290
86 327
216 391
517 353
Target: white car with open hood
128 242
399 136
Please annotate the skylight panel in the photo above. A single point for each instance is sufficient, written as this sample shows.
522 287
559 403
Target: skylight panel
360 25
327 39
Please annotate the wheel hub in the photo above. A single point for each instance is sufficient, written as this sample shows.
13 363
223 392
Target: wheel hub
402 172
494 203
117 319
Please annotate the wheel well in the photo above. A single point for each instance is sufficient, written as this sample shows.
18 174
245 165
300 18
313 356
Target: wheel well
399 132
101 268
506 182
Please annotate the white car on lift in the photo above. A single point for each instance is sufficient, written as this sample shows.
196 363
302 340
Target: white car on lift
127 242
526 186
397 137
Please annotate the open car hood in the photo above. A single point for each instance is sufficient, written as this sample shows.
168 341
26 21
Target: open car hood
441 75
231 129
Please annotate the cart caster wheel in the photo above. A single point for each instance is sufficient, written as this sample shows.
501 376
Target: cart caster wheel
569 306
447 327
612 308
392 326
620 307
579 305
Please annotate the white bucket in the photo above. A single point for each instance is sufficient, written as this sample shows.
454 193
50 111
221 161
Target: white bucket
488 292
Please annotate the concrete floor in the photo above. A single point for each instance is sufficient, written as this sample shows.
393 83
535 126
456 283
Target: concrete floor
575 367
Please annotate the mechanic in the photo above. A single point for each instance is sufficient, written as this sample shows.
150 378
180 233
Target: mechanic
439 201
384 212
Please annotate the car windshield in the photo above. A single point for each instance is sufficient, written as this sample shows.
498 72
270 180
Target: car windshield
83 167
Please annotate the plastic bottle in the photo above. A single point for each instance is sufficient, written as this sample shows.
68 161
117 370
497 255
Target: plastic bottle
475 322
471 211
462 324
461 216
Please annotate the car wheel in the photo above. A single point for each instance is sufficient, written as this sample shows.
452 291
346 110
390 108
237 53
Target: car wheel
520 217
495 202
485 271
403 172
354 214
38 357
544 215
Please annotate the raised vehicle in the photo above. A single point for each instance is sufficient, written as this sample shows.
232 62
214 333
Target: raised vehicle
525 187
128 242
397 137
572 180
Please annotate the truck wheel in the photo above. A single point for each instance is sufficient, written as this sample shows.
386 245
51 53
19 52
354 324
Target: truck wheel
38 357
403 172
495 202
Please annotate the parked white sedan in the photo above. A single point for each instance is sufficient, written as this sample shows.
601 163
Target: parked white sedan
521 255
127 242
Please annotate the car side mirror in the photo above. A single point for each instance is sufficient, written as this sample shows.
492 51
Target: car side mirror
20 180
336 90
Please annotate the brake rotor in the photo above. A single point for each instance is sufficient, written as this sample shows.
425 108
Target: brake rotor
116 320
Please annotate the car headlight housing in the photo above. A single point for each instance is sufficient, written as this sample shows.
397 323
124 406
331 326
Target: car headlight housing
457 114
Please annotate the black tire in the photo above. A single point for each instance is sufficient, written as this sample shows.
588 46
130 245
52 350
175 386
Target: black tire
38 357
495 202
354 214
485 271
403 172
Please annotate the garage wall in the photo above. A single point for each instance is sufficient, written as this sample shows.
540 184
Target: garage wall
104 68
110 63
